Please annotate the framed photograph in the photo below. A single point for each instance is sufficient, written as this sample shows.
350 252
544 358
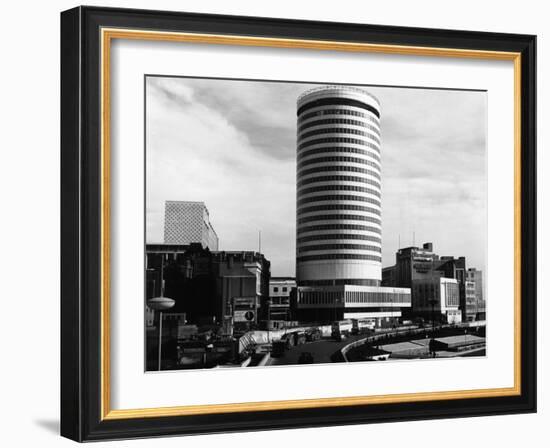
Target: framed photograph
273 223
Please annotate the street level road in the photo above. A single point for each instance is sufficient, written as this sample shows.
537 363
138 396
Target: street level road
321 350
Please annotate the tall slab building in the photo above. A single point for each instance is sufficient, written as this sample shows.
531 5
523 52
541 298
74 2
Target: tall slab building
338 207
187 222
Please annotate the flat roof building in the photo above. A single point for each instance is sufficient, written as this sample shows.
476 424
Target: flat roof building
187 222
278 310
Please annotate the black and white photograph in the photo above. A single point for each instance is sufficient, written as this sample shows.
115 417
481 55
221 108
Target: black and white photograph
291 223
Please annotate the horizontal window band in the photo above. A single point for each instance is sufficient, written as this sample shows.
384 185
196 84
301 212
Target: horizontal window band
351 207
348 121
341 281
338 131
345 112
341 168
339 246
347 159
339 218
324 140
336 187
333 178
340 236
337 197
338 257
340 150
321 227
338 101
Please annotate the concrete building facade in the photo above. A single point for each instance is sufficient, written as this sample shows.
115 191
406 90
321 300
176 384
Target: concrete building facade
470 309
278 311
187 222
338 208
440 296
338 188
222 288
332 303
416 267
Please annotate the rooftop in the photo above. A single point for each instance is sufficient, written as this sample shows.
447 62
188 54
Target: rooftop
342 88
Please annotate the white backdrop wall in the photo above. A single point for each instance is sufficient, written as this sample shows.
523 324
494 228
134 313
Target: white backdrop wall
29 176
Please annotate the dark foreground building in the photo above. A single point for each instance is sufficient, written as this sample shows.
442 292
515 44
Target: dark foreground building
224 289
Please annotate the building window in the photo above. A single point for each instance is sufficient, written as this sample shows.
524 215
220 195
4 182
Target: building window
337 102
285 289
340 150
330 178
275 289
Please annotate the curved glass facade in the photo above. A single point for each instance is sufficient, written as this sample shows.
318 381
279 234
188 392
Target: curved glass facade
338 237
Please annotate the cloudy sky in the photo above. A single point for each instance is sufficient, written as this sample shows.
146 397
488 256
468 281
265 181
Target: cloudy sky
232 145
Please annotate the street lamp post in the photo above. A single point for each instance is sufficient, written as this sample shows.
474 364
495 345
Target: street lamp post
433 301
268 318
160 304
432 341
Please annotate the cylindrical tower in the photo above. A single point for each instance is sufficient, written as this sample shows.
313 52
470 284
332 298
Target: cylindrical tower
338 208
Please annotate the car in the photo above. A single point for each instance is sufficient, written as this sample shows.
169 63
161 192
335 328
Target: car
305 358
313 335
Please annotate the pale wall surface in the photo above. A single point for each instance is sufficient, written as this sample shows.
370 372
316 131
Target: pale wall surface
29 174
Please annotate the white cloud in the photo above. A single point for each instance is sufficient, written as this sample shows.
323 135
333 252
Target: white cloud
231 144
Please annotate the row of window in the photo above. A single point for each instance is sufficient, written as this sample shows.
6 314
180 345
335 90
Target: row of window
338 188
339 257
348 121
341 281
363 180
320 297
366 297
340 150
337 102
338 159
339 247
355 141
340 218
340 236
353 207
349 112
338 197
338 227
339 131
350 169
376 297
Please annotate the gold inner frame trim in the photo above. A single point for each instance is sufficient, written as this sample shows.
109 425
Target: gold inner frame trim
107 35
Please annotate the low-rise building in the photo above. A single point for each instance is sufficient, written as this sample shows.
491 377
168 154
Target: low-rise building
469 312
437 298
475 275
333 303
278 307
419 267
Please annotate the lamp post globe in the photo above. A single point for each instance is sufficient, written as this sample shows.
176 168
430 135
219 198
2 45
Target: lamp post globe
161 303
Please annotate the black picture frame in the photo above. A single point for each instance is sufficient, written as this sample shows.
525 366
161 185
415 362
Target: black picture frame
81 208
